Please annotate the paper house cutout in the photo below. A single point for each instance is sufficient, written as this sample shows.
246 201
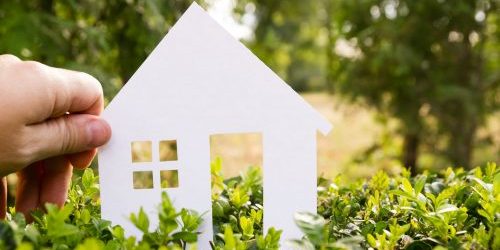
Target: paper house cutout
200 81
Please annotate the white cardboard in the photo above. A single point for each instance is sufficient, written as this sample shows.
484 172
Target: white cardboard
200 81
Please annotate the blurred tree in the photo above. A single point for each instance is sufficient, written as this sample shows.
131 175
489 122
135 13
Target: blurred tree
432 59
108 39
289 37
417 58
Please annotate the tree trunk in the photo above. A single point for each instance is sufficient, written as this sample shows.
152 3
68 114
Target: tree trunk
410 152
467 113
461 145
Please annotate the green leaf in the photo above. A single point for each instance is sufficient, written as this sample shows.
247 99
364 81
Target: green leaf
246 225
300 244
88 178
418 245
407 186
141 220
91 244
239 197
420 183
371 240
446 209
190 220
270 241
311 225
186 236
496 185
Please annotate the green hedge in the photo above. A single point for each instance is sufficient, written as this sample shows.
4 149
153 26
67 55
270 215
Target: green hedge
454 209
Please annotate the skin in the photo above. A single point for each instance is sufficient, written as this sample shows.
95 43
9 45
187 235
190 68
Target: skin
49 123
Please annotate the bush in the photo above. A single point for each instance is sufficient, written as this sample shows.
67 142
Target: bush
453 209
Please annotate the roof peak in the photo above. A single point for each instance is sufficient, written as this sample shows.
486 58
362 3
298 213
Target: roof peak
198 64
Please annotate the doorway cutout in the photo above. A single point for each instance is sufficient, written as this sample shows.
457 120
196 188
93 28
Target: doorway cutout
236 168
237 152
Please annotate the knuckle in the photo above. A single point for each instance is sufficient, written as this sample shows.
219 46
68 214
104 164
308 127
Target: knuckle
9 58
36 78
68 133
88 79
34 69
94 90
31 66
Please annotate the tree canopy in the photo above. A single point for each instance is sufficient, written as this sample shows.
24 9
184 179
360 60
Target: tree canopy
431 64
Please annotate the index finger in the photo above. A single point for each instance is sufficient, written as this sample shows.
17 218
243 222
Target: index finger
79 92
57 92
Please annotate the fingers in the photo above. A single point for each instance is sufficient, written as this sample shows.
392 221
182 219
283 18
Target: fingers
83 159
28 189
67 135
50 92
76 92
3 197
8 59
56 180
51 112
43 182
43 105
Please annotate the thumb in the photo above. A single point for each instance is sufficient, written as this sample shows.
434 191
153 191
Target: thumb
69 134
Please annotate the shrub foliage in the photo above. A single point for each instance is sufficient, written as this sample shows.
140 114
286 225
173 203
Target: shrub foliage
453 209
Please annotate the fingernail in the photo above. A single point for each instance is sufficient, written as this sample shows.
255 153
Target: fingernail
99 132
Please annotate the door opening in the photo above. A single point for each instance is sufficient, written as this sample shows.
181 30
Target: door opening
236 168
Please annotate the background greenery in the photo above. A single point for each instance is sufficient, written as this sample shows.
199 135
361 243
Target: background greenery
427 70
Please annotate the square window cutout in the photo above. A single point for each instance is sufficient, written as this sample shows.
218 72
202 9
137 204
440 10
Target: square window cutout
169 178
168 150
143 179
141 151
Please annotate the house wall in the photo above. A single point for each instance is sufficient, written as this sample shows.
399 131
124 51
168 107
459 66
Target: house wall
119 198
195 181
289 167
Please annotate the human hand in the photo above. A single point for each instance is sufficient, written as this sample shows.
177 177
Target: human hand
49 123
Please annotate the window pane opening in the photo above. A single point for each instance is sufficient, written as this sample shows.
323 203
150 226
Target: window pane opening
169 178
143 179
141 151
168 150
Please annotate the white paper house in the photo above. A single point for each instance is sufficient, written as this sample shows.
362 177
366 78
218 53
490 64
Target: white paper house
200 81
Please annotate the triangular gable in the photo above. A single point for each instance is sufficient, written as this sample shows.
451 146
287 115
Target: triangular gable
194 43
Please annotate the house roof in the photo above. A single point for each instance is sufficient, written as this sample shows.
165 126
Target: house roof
199 69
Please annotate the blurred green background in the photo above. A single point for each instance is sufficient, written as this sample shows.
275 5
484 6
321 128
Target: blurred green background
405 82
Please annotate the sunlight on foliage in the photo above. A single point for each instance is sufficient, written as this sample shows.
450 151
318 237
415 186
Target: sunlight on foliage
453 209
